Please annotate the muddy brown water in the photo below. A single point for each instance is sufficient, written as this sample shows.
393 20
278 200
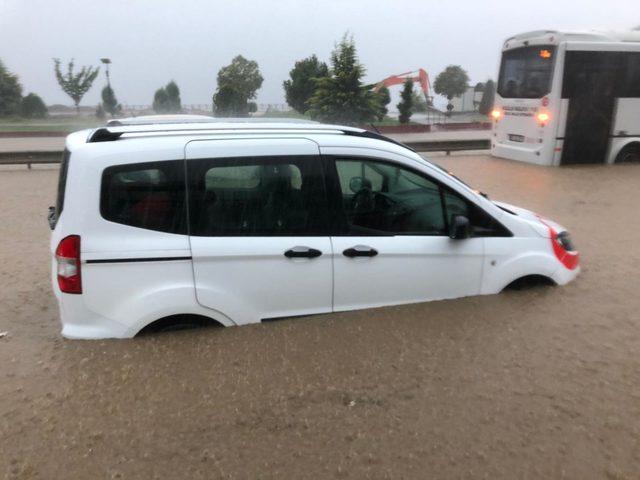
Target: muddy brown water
543 383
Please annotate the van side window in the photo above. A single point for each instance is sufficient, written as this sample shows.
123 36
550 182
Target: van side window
145 195
380 198
482 224
257 196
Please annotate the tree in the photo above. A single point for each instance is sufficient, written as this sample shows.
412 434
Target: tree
75 85
10 92
238 83
340 97
488 96
452 82
304 75
384 99
173 97
110 103
161 101
167 99
419 102
405 107
33 107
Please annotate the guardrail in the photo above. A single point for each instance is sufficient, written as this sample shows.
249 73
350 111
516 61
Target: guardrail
29 158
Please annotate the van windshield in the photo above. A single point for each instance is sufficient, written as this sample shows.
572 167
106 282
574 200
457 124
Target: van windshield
526 72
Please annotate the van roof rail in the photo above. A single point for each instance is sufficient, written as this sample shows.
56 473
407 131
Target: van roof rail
114 132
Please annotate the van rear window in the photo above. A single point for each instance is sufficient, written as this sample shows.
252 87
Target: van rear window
145 195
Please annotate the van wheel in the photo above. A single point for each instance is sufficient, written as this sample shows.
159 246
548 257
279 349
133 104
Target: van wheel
629 154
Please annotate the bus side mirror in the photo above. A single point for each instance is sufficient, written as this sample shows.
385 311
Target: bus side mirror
460 227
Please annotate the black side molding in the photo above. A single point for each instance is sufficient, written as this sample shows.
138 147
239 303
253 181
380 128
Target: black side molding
140 259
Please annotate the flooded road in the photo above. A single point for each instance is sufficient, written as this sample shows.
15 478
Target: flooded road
543 383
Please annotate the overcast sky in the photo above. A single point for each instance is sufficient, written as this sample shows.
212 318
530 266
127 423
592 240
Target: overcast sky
153 41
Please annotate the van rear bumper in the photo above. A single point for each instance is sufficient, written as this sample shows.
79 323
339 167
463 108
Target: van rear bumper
78 322
563 275
521 154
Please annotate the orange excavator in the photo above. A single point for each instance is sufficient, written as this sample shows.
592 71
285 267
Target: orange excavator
419 76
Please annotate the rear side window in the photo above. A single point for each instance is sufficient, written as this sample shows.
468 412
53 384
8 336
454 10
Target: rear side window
257 196
62 182
145 195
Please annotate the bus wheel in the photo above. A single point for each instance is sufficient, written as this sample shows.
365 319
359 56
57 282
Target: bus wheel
629 154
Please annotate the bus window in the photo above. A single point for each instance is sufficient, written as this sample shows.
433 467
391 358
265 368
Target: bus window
526 72
631 82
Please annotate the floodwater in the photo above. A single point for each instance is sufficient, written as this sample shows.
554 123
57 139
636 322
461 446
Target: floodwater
542 383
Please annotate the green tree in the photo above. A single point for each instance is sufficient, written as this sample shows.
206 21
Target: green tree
33 107
75 85
488 97
405 107
304 75
161 101
340 97
384 98
452 82
173 97
419 102
109 101
167 99
238 83
10 92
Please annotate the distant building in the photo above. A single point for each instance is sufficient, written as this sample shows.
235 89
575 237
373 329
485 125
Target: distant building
469 101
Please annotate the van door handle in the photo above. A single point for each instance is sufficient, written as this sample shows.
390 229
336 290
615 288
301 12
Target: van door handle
360 251
302 252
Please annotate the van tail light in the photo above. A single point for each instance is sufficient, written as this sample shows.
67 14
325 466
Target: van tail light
68 260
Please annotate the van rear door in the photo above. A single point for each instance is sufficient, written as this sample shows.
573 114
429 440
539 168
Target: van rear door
258 228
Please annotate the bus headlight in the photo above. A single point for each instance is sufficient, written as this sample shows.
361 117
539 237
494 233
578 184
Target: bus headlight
496 114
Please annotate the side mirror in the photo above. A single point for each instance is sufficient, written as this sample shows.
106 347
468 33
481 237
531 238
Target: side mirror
460 227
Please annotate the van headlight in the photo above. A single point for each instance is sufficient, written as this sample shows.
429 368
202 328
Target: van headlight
564 239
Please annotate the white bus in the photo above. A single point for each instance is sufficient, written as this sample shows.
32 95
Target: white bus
565 98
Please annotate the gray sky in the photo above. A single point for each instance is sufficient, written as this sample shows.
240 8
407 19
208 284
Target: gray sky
153 41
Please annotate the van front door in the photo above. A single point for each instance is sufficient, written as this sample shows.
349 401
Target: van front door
258 234
394 245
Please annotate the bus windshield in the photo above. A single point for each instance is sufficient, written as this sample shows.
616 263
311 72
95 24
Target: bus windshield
526 72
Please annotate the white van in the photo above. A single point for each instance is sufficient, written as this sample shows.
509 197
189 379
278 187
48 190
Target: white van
235 223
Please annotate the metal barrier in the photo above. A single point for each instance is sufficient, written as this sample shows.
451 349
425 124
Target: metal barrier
30 158
52 157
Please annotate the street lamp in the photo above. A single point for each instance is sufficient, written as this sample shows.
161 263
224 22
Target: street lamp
107 62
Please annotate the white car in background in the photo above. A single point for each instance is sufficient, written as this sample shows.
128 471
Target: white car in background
164 224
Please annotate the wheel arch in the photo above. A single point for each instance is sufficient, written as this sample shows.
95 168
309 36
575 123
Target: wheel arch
622 146
533 265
